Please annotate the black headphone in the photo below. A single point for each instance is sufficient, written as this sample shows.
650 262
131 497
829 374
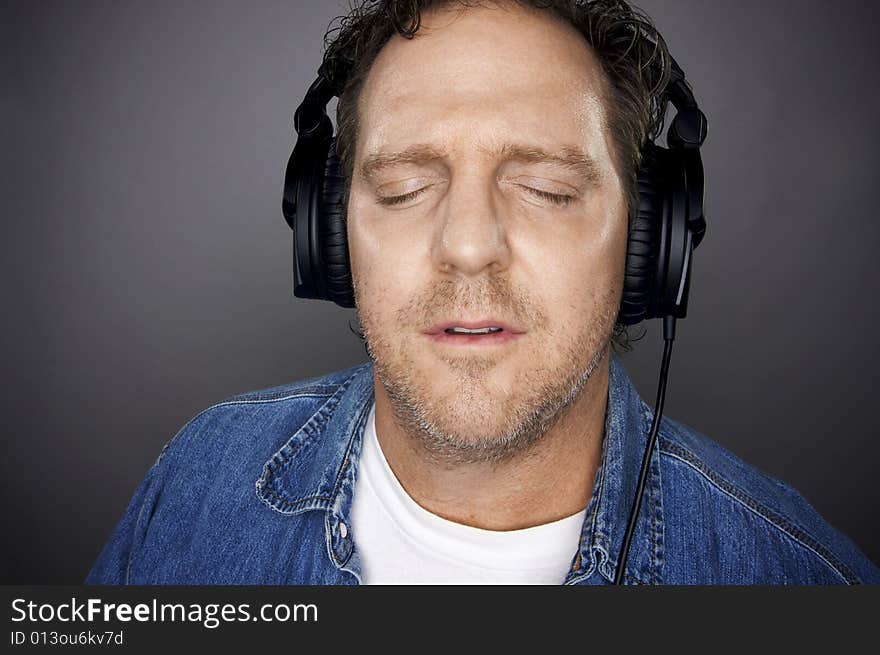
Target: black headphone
668 222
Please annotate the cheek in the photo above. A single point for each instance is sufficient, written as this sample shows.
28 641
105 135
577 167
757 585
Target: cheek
582 273
383 260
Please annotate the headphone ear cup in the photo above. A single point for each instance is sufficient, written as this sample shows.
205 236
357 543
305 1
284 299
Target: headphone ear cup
333 234
640 282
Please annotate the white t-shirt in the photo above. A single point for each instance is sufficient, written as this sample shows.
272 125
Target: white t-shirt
399 542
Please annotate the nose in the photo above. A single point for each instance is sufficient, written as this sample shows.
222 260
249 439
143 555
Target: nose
471 236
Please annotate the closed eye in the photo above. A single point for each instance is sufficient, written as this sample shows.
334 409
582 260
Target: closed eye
397 200
555 198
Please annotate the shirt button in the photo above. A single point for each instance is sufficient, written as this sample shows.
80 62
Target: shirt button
343 530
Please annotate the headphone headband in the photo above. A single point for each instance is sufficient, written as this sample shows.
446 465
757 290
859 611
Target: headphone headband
313 109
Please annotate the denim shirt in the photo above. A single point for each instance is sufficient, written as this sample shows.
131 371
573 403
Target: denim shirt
258 490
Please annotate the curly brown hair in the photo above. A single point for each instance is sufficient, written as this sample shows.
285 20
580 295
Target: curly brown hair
631 53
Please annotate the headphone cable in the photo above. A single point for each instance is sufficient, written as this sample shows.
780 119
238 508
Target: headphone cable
668 338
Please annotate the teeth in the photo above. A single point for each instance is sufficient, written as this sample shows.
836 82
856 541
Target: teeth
461 330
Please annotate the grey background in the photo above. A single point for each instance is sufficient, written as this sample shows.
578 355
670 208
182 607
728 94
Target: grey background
147 269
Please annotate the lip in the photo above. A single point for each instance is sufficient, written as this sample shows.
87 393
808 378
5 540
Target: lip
440 328
509 333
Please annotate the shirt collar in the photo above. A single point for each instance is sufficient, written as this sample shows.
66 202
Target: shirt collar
626 431
316 469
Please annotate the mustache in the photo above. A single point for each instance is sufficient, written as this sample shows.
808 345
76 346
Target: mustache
489 296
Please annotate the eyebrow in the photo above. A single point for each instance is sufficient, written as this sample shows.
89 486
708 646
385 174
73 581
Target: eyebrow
568 157
415 154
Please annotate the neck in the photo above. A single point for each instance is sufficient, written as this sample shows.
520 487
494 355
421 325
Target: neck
552 480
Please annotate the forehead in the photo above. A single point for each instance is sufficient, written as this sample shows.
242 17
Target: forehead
483 73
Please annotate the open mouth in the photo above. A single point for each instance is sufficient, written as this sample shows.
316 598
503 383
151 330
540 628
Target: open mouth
462 330
483 336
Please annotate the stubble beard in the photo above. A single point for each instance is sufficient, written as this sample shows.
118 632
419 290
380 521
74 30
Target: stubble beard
476 425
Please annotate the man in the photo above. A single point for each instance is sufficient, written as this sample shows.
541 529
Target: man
490 167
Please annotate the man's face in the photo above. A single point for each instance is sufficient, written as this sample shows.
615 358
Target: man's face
484 191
